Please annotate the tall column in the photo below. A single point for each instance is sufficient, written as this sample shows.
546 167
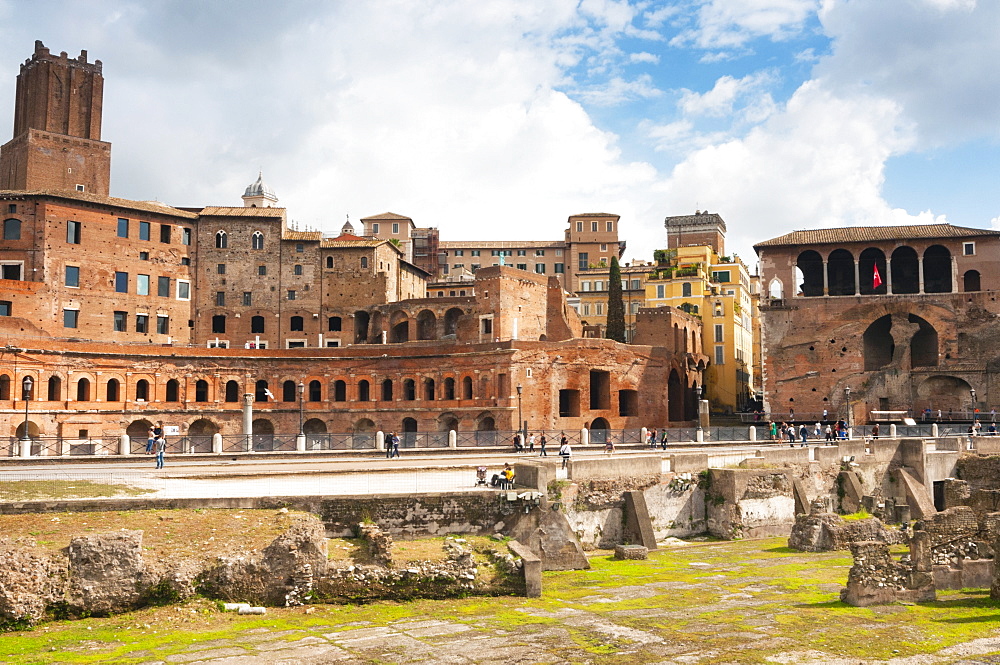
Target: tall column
857 277
954 275
826 278
888 276
248 419
920 274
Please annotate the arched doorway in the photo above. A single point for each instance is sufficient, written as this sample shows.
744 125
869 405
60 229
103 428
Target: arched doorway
840 273
950 394
937 269
599 431
872 262
408 438
263 434
361 320
200 435
971 281
905 271
451 318
810 266
426 325
675 397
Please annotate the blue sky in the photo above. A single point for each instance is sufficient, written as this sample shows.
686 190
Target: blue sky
500 118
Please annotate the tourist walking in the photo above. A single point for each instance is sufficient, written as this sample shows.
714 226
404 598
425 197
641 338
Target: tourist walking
161 450
392 446
531 442
829 434
565 451
875 431
803 434
388 445
541 444
663 439
150 440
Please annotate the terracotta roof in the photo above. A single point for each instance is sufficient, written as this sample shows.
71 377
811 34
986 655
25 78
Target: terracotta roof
596 214
289 234
387 215
852 234
144 206
347 236
241 211
352 241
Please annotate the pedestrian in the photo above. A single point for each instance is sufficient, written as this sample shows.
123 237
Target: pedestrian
939 415
791 434
803 434
993 415
609 446
388 445
158 430
531 442
651 440
773 428
663 439
829 434
392 448
875 431
825 413
541 444
818 431
565 451
161 449
517 443
150 440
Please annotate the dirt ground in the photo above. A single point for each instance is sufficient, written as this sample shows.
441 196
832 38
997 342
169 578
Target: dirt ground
704 602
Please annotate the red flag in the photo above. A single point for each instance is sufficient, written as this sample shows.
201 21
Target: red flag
876 279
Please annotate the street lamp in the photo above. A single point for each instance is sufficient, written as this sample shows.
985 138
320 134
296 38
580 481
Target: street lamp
973 393
699 391
847 398
26 385
302 390
520 425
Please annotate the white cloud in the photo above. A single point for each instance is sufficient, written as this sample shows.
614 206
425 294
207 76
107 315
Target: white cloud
727 91
618 90
732 23
644 57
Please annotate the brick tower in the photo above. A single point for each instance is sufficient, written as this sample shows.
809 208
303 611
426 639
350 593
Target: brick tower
57 127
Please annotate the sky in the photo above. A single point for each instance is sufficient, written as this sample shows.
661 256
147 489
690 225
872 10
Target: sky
498 119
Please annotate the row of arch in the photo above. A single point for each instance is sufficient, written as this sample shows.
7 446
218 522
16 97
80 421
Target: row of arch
222 240
85 390
873 273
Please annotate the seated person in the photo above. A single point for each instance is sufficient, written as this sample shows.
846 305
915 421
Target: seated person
508 476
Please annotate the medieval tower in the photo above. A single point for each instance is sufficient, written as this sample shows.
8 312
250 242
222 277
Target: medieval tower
57 127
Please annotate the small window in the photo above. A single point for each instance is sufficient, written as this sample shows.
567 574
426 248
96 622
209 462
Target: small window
299 247
604 248
261 270
185 236
661 291
71 318
121 282
257 324
165 233
540 268
183 290
12 208
522 252
162 324
395 229
220 298
257 240
10 270
142 285
364 262
73 232
720 355
5 307
539 252
122 227
296 324
459 252
291 294
163 287
969 248
329 262
599 309
121 321
559 268
247 298
185 260
583 260
487 326
611 227
219 323
475 252
522 266
221 240
719 333
73 276
579 227
220 268
142 323
80 188
298 269
334 324
143 256
374 229
686 290
143 230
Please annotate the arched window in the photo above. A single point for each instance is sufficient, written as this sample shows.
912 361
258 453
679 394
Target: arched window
112 391
173 390
810 265
387 390
339 391
288 391
11 229
257 324
4 387
429 389
871 262
83 390
905 271
937 269
364 262
449 388
232 391
840 273
221 240
219 323
971 281
409 390
315 391
686 290
201 391
775 290
142 390
260 391
467 388
257 240
329 262
296 324
364 391
333 324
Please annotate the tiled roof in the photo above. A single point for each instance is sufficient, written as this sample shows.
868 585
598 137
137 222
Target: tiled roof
386 215
241 211
697 218
144 206
852 234
595 214
350 241
289 234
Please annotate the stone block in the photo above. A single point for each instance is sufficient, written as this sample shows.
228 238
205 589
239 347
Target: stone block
633 552
531 566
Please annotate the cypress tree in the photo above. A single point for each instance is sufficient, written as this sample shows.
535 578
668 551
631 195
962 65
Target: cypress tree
616 307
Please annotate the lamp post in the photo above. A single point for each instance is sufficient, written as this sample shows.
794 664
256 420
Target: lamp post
302 390
847 398
973 393
520 423
699 391
26 385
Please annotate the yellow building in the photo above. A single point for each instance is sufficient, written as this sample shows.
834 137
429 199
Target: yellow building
592 296
696 276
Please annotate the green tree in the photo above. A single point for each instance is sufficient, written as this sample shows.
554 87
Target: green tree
616 307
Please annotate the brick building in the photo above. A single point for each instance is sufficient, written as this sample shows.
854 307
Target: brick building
125 312
904 316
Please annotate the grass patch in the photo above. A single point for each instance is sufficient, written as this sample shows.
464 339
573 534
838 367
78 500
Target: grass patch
34 490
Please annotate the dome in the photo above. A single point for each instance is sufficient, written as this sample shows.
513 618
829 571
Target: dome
258 188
